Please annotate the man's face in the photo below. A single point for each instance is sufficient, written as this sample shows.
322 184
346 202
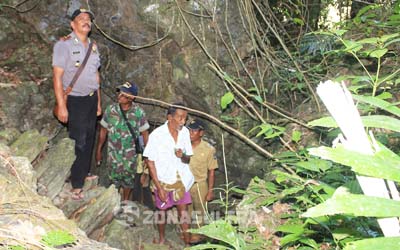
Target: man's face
82 23
195 134
178 119
123 99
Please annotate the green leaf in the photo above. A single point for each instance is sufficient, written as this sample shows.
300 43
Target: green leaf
258 99
326 122
290 238
288 228
16 247
385 38
315 165
372 121
378 53
343 233
383 164
208 246
239 191
281 176
381 243
268 130
296 136
352 45
57 238
365 10
381 121
310 242
339 32
378 102
226 100
342 202
223 231
392 41
298 21
371 40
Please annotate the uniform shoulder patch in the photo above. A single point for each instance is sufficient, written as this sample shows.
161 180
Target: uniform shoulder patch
65 38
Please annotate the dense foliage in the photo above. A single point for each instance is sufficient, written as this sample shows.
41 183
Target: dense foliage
324 207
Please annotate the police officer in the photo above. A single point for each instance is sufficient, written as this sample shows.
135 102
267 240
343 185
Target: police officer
83 103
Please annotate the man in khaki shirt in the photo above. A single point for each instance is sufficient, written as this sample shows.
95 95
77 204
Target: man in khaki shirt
202 164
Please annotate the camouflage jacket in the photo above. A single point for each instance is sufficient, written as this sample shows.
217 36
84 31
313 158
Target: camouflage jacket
121 144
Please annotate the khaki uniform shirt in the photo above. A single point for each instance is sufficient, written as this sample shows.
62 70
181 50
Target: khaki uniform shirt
68 54
203 159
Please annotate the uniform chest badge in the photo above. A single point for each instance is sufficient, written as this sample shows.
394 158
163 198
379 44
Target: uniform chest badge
94 48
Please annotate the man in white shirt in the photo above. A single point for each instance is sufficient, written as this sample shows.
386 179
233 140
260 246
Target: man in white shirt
168 151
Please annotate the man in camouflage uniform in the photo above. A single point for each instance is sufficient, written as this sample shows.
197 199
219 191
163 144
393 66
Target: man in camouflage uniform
122 156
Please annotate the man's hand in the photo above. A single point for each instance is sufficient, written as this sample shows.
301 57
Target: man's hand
210 195
99 111
62 115
179 153
143 178
99 157
162 194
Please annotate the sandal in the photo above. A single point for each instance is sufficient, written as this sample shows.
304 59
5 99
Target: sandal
91 177
77 194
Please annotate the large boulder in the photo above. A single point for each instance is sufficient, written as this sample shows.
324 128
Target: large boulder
54 168
27 217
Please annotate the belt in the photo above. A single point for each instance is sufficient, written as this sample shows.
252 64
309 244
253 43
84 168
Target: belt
93 93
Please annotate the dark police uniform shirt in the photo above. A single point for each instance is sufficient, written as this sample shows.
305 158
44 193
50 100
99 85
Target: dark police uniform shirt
69 54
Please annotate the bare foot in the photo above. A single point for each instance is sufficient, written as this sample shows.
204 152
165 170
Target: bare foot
77 194
161 242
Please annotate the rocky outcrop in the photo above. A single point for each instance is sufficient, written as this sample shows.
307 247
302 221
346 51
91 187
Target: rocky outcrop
26 216
36 200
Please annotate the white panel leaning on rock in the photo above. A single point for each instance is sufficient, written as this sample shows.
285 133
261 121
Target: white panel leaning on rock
340 105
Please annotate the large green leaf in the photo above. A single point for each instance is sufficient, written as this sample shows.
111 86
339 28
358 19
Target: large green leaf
381 121
378 53
388 37
222 231
342 202
315 165
372 121
383 164
326 122
381 243
370 40
377 102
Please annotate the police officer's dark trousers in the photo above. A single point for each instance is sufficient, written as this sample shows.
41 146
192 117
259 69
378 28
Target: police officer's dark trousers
82 128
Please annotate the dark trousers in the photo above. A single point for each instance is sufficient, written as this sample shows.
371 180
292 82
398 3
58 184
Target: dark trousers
142 194
82 128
